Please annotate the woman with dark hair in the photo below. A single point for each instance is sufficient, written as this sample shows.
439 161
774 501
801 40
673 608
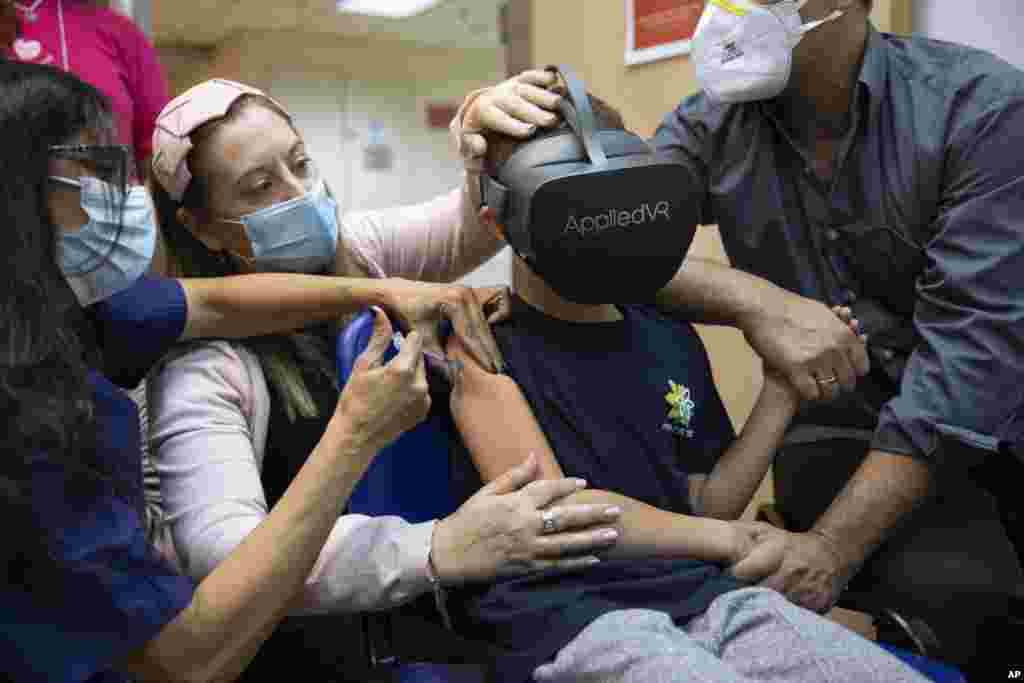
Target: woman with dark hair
84 595
106 49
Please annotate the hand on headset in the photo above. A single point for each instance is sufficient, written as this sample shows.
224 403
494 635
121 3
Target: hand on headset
514 107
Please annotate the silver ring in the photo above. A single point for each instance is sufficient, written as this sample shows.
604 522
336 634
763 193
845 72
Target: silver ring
547 522
825 381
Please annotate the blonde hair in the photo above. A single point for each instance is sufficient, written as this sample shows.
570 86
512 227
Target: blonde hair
285 376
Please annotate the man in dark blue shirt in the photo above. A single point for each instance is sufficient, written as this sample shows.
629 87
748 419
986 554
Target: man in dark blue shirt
585 392
886 176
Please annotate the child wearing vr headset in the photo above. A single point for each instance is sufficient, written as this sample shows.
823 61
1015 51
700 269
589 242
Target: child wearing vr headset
605 388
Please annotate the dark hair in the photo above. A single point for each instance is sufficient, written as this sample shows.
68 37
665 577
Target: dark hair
45 347
280 355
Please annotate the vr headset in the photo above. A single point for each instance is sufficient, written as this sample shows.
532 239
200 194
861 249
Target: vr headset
597 214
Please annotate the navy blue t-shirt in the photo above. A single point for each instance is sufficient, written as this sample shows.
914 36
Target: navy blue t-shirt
630 406
116 593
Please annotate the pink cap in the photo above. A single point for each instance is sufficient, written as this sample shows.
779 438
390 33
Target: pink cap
171 142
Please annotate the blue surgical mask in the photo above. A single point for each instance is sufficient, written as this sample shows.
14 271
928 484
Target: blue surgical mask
115 247
296 236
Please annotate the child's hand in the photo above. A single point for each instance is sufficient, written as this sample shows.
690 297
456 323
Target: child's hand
779 391
758 549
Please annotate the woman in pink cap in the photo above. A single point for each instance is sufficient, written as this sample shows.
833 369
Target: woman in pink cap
84 597
232 422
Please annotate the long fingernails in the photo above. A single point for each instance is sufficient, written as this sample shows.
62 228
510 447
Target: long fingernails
609 534
580 483
613 512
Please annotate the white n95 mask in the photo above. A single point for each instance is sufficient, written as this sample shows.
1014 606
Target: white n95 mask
743 52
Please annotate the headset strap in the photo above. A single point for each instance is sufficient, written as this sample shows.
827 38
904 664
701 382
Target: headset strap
579 115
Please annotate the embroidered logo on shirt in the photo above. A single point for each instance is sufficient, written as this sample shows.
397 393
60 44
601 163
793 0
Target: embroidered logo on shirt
680 410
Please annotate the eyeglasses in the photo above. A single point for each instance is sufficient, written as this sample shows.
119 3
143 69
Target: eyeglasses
110 163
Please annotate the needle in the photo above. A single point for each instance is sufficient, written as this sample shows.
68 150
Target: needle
433 358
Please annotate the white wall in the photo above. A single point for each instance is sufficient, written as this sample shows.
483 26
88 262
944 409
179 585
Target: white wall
334 116
993 25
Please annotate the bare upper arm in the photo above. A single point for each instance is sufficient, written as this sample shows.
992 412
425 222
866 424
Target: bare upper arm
495 420
695 483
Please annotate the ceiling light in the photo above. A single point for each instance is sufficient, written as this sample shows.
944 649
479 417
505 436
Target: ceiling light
386 8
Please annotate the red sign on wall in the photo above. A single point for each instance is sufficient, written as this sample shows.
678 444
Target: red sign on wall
440 114
660 28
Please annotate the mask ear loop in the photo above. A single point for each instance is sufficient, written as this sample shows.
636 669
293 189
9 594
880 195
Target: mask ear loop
811 25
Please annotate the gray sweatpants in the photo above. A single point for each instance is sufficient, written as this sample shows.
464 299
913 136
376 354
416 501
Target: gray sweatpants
747 635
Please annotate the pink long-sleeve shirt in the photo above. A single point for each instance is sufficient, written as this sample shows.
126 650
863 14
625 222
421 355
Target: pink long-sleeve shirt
209 407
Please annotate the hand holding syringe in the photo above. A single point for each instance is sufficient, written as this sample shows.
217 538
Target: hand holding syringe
445 366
